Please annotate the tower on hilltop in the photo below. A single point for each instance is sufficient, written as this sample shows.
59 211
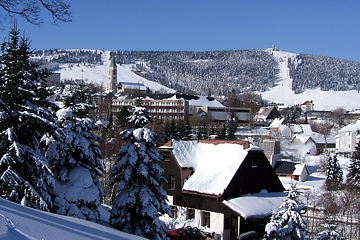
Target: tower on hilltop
112 80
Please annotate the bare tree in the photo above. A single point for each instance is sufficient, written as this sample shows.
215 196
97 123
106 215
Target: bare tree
30 10
337 117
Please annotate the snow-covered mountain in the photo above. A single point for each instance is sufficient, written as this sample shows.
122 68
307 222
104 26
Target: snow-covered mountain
199 73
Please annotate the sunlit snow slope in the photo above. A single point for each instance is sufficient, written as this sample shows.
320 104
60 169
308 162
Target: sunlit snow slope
322 100
99 74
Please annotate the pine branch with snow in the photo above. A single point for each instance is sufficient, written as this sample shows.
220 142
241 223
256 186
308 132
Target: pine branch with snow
140 199
75 161
25 176
287 223
334 174
353 176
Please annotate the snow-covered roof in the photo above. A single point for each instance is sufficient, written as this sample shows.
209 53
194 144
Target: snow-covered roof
276 122
302 128
133 85
256 205
351 127
205 101
214 165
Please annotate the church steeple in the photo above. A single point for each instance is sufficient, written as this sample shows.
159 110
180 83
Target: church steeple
112 80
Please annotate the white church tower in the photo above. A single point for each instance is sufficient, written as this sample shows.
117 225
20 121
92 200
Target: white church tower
112 81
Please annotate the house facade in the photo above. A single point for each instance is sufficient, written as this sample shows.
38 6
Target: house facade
266 115
207 178
348 137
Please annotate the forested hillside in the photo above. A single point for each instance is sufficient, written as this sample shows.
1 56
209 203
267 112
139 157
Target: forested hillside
219 72
215 72
326 73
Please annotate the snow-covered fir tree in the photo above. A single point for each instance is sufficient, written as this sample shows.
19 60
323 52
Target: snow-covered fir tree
75 160
334 174
25 176
330 232
353 176
140 199
287 223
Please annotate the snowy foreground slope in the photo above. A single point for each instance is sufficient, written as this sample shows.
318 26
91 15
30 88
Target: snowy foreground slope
21 223
283 93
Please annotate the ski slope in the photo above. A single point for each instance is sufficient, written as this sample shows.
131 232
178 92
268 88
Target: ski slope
323 100
99 74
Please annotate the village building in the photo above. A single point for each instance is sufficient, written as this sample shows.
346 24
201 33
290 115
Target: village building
266 115
293 170
227 186
348 137
181 106
307 106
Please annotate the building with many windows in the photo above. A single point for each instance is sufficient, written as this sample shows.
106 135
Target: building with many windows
186 107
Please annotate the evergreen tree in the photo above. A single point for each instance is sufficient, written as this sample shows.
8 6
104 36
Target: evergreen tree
140 199
202 132
75 161
183 130
330 232
334 174
25 176
287 223
353 176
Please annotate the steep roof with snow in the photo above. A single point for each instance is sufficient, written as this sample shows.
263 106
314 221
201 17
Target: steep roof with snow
214 165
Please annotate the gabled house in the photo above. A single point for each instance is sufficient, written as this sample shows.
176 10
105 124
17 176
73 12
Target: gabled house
266 115
307 106
304 140
348 137
210 178
293 170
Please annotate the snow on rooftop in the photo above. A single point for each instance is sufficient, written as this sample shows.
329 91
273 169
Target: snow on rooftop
256 205
214 165
204 101
299 168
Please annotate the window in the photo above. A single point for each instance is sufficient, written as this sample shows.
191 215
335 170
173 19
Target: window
190 214
174 211
172 182
166 158
206 219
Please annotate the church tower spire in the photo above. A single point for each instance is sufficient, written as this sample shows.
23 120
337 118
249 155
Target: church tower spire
112 80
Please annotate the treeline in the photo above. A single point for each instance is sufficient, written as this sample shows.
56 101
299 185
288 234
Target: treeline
70 56
326 73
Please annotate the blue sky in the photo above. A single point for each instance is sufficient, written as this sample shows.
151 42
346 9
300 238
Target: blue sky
322 27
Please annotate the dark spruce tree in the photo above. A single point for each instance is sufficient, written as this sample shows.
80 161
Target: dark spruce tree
140 199
353 176
334 174
75 161
25 176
